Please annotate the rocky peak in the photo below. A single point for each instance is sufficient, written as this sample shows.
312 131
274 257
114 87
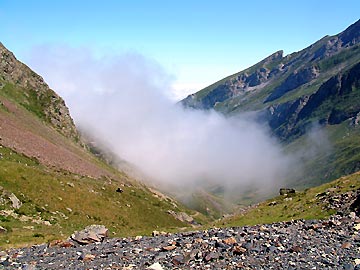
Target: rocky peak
274 57
52 105
351 35
334 102
13 71
279 75
331 45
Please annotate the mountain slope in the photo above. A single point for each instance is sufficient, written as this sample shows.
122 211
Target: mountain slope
278 78
34 94
50 184
336 197
317 88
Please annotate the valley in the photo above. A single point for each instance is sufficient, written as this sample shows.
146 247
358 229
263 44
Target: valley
55 181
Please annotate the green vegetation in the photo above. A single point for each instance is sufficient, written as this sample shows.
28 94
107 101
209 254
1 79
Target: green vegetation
56 203
209 204
207 90
329 97
306 204
348 55
27 98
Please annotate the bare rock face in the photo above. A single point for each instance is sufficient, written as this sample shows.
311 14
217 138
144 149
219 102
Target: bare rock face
295 89
248 80
293 81
2 230
356 119
53 108
91 234
8 198
286 191
333 103
182 216
16 203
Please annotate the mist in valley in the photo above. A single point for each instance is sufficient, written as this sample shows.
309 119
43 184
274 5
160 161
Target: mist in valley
125 102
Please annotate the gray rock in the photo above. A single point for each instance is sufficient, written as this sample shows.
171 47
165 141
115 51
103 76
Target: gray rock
2 229
285 191
91 234
16 203
182 216
299 244
155 266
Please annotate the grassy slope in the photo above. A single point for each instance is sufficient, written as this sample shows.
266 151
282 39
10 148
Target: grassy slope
26 98
302 205
28 121
343 155
69 201
49 194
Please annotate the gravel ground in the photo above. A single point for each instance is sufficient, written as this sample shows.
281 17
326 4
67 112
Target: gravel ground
300 244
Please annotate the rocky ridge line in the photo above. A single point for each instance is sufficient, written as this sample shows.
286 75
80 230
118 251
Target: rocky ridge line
54 108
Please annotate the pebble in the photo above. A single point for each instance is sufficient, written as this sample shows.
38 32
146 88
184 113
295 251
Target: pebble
155 266
298 244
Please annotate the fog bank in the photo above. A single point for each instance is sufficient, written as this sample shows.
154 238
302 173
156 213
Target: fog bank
125 100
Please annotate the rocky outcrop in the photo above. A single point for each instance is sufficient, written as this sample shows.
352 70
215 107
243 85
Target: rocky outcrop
347 203
182 216
356 120
16 203
8 198
91 234
282 118
276 75
2 229
48 104
339 90
286 191
238 84
293 81
336 100
351 35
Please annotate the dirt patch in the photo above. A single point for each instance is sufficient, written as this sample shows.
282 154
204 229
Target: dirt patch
24 133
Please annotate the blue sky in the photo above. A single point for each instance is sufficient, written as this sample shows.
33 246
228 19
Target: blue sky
198 42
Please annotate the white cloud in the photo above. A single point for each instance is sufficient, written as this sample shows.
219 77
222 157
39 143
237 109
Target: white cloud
124 100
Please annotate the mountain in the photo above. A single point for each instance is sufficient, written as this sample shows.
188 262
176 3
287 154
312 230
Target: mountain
340 196
51 183
34 94
315 88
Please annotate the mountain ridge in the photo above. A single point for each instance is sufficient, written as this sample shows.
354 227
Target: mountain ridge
254 77
317 86
52 107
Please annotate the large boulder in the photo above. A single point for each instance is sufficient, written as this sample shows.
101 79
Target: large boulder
7 197
182 216
286 191
16 203
91 234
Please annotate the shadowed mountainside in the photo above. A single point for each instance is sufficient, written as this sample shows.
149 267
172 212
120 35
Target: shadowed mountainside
315 88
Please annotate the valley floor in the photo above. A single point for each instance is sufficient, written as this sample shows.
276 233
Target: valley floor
313 244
